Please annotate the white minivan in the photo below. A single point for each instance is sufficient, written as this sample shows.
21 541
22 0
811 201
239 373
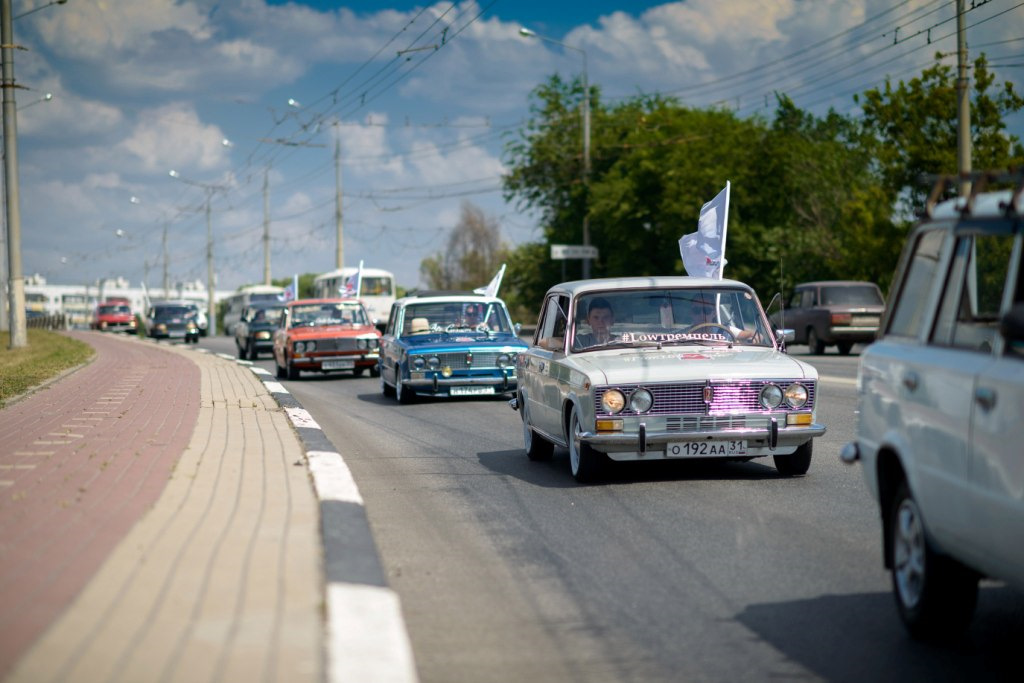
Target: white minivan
940 431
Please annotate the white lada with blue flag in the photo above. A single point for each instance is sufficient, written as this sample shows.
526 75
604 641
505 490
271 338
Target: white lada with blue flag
649 368
449 345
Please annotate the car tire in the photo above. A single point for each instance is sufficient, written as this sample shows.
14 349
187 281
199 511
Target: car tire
537 447
385 388
281 372
293 372
586 464
375 371
816 345
405 396
358 372
797 462
935 595
242 353
845 348
252 352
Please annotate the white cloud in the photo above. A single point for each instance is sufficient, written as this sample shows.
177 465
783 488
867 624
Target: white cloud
172 136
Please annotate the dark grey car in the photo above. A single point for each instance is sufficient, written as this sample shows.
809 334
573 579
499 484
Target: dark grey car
839 312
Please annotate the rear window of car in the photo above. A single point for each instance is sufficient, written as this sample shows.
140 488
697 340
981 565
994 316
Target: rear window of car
864 295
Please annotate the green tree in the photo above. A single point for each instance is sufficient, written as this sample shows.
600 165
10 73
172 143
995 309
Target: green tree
911 128
473 254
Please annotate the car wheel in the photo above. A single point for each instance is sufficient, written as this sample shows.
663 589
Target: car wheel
586 463
385 388
293 372
375 371
358 372
816 345
281 373
537 447
797 462
251 349
242 352
845 348
405 396
935 595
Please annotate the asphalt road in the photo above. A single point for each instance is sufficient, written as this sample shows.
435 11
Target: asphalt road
683 571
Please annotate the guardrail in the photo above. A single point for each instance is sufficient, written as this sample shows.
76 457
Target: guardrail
57 321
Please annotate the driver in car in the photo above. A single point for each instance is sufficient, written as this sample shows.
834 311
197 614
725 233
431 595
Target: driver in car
600 317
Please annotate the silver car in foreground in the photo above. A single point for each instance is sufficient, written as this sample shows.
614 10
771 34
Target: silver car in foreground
651 368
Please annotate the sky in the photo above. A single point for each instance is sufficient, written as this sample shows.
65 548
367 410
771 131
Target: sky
422 97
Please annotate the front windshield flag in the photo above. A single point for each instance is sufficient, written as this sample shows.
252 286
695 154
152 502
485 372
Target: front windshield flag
492 287
703 251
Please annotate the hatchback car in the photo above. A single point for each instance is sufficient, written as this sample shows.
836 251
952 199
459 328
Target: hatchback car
325 335
939 432
839 312
173 320
656 368
449 345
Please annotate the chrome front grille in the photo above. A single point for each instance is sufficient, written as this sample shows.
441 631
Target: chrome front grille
466 360
688 398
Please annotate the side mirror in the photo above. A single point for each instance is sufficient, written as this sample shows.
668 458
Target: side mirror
518 328
1011 325
787 335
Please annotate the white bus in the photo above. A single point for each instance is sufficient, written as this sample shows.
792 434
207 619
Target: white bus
246 296
377 291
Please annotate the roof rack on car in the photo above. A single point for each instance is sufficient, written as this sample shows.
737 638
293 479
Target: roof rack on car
980 181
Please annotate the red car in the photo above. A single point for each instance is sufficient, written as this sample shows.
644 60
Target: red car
325 335
112 315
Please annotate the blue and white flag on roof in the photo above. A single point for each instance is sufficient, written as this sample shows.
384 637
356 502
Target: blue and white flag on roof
703 251
291 292
354 284
492 287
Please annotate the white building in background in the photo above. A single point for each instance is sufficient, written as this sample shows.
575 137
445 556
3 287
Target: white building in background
78 302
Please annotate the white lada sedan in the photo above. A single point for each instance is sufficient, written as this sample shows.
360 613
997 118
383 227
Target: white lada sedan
649 368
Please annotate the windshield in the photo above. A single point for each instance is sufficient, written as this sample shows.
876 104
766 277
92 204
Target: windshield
172 312
486 317
708 316
265 314
113 310
322 314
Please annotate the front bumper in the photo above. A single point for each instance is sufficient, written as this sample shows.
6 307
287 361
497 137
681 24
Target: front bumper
773 439
438 384
314 363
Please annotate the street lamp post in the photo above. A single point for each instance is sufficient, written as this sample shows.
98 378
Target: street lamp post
211 304
527 33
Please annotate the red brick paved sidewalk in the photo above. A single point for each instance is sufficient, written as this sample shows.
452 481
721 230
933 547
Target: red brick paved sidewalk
80 462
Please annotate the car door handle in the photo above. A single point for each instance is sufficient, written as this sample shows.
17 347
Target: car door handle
985 397
910 380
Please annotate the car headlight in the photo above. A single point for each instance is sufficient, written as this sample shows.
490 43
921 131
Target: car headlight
771 396
161 327
434 362
796 395
300 347
613 401
503 360
310 346
191 327
418 363
263 335
641 401
373 343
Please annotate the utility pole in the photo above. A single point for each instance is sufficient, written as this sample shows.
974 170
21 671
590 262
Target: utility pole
15 281
266 226
211 305
586 165
963 103
165 283
339 258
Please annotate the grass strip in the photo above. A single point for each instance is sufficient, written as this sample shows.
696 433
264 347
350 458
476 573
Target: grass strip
46 355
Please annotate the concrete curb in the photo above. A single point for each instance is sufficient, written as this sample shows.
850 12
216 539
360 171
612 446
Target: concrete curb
366 634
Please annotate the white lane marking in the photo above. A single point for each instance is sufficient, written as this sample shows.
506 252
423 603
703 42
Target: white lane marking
332 477
301 418
259 371
366 639
275 387
838 380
